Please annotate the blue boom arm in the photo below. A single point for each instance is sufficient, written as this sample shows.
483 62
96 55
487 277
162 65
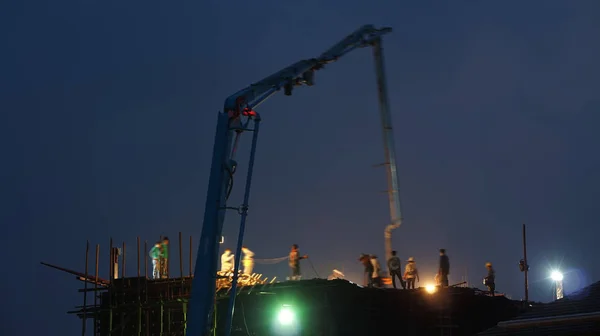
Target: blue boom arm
236 118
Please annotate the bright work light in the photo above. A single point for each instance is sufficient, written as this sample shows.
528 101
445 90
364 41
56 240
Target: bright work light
286 316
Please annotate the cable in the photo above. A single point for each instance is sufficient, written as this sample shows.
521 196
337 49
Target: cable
313 268
271 261
244 316
230 186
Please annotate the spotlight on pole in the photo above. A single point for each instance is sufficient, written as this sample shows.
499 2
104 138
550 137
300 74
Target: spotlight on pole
557 277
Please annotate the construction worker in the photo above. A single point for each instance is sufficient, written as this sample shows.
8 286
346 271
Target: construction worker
377 282
227 259
411 273
294 262
490 280
164 269
155 255
444 268
395 268
368 273
248 260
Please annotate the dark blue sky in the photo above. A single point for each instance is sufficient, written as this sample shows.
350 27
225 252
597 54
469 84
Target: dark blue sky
109 110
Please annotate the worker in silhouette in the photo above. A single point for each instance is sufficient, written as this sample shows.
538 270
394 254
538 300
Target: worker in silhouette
368 272
411 273
294 262
395 268
490 280
248 260
377 282
164 261
227 259
156 255
444 268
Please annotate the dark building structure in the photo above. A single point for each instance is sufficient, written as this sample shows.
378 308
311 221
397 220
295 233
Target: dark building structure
141 306
577 314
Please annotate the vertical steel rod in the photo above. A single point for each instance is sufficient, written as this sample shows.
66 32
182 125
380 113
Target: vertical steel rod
190 256
85 293
96 289
123 266
145 259
138 257
180 258
111 261
526 265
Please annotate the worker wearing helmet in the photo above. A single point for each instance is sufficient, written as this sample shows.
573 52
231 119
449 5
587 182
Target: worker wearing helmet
490 280
411 273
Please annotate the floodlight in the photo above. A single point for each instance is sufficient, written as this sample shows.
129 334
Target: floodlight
286 316
556 276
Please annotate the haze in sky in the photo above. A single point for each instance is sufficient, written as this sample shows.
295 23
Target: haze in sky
109 112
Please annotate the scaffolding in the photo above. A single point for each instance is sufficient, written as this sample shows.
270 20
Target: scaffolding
136 304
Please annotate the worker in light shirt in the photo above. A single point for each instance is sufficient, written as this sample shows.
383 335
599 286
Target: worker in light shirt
411 273
248 260
227 259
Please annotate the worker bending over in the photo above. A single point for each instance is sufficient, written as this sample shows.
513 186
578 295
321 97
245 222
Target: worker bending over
368 273
227 259
294 262
395 268
248 260
490 280
156 255
377 282
444 268
411 273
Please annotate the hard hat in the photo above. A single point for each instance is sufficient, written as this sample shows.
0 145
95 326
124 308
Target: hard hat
411 259
488 264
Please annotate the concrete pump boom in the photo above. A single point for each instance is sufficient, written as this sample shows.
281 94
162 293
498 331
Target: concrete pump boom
238 117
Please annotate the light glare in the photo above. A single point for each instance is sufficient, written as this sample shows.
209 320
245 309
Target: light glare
285 316
556 276
430 289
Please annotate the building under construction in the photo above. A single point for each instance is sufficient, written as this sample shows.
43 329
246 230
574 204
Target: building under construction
140 305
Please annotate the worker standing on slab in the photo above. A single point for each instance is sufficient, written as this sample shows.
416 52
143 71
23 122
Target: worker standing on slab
377 282
411 273
294 262
164 264
444 268
490 280
395 268
248 260
368 273
227 259
156 255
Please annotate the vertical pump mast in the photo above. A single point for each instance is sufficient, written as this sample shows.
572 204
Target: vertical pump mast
389 149
239 117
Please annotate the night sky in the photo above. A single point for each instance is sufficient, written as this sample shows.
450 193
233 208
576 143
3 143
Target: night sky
109 112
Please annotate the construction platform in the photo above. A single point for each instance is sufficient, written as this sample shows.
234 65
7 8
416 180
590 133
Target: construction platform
140 306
